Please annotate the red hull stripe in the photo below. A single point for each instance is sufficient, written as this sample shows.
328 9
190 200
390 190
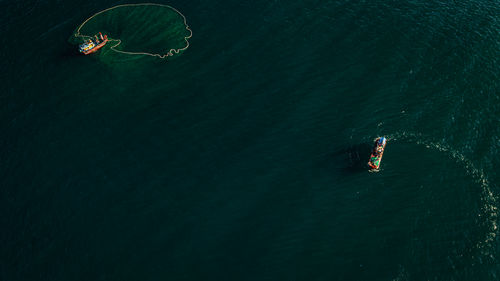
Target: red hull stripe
93 50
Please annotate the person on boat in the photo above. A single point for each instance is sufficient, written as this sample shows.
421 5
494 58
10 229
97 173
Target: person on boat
380 142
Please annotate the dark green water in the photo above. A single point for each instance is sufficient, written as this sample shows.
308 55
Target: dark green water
243 157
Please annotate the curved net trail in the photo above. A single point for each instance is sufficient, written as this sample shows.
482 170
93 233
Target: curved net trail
149 29
489 211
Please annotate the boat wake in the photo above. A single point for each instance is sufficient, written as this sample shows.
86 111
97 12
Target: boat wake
489 210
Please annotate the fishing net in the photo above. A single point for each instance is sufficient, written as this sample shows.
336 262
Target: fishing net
138 29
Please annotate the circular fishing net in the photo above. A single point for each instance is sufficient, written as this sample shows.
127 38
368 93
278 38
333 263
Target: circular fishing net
138 29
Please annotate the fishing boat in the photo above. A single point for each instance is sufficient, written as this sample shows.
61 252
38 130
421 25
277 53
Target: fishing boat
377 152
93 44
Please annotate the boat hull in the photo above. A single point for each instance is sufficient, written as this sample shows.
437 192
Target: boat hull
91 46
96 48
376 159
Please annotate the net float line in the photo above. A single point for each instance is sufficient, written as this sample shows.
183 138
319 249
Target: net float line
171 52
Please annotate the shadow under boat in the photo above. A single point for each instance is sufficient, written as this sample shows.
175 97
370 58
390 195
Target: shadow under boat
354 158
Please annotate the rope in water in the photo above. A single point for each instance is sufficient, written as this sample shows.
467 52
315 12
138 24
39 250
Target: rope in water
171 52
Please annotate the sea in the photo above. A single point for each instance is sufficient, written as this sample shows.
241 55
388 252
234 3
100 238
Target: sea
244 156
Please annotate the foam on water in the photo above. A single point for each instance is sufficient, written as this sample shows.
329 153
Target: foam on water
489 210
